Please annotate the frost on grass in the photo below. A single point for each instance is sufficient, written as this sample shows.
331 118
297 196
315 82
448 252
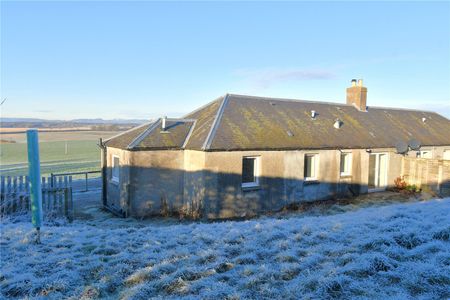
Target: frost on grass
394 251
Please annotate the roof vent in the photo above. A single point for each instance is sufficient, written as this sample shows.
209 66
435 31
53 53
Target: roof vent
338 123
163 123
313 114
424 119
289 133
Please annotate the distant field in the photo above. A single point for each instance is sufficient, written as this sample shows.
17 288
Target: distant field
83 154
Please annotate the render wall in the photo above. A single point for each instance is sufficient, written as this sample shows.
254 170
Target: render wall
195 187
118 192
209 183
281 181
157 182
437 151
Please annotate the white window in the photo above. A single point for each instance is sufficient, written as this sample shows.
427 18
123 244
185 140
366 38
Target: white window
446 155
115 168
425 154
311 166
250 171
346 164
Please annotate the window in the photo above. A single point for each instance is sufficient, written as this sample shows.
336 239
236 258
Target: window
115 168
311 166
346 164
250 172
446 155
425 154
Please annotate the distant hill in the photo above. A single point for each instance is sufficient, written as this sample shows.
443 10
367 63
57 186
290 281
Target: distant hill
42 123
78 121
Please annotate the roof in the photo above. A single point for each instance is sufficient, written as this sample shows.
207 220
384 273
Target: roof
237 122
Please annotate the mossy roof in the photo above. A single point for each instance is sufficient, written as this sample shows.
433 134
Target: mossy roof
236 122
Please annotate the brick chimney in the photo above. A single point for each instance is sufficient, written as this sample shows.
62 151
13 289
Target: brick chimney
357 95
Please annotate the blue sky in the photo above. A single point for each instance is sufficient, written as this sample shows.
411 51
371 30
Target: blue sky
64 60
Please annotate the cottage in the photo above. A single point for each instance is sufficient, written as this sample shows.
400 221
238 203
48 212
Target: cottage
240 155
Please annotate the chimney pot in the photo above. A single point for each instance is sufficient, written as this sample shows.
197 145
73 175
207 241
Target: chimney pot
357 95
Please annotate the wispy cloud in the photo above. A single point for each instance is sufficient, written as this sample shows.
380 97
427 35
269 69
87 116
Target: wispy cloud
264 78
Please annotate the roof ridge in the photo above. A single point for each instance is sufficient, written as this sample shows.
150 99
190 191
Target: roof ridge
188 136
203 106
128 131
212 131
400 108
180 120
141 136
265 98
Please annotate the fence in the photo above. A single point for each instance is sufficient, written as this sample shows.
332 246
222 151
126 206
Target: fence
76 186
434 173
56 196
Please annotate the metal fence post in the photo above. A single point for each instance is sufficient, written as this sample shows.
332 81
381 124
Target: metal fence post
35 179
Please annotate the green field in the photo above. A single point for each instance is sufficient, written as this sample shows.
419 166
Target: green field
83 154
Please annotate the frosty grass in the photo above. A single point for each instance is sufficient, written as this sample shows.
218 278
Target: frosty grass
395 251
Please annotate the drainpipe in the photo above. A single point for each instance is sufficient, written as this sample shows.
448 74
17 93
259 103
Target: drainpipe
103 156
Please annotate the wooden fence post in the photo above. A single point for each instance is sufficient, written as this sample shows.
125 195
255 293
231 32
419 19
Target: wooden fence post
71 209
2 192
27 192
20 191
14 189
15 195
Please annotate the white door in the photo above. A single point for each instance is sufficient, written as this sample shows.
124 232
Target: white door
377 171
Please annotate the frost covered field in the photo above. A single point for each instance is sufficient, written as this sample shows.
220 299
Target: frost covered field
394 251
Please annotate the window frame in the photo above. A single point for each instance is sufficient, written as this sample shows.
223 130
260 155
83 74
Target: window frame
256 172
349 171
421 152
444 152
115 179
316 167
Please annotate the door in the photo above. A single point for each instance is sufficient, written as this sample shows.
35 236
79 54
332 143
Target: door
377 171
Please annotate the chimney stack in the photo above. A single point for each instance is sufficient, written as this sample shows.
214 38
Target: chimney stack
357 95
163 123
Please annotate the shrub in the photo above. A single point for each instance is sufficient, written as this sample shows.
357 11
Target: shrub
403 187
400 183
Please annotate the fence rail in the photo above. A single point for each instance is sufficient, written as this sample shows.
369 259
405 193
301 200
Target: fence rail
56 195
86 177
